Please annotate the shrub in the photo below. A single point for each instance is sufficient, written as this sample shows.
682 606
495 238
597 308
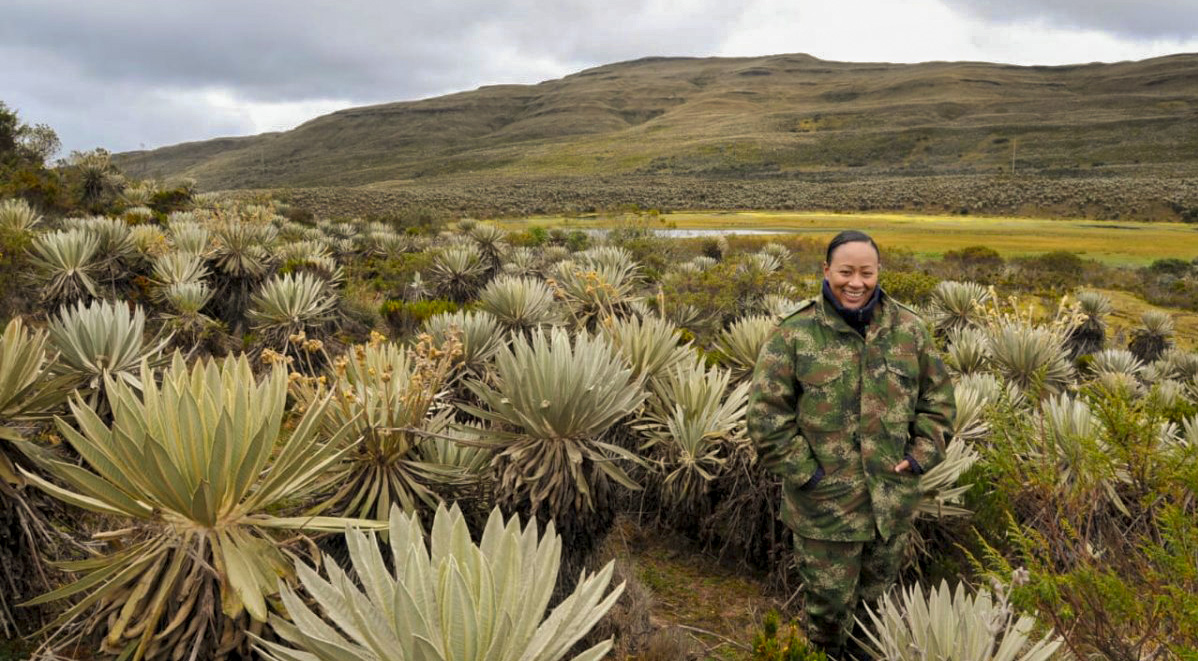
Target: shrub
910 287
1170 266
403 318
771 644
1119 582
1055 271
974 256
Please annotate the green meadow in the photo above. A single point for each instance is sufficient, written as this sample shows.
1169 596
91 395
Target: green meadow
1115 243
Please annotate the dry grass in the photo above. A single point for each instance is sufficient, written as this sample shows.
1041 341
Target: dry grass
1129 308
734 117
1114 243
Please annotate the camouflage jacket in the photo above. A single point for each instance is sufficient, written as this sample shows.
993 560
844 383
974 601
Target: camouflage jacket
825 398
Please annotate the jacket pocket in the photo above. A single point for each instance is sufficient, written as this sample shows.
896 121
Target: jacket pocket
822 402
902 387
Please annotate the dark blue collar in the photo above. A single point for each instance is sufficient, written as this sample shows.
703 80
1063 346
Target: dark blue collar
860 318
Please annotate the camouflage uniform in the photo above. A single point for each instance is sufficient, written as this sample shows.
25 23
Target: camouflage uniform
825 400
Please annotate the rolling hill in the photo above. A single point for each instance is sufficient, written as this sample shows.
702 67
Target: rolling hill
777 119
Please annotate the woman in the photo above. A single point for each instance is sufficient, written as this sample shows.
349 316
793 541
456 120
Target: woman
850 404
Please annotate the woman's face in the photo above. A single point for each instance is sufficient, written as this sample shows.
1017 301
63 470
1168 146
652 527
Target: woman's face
853 274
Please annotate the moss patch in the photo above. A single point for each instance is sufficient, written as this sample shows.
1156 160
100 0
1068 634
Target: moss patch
719 606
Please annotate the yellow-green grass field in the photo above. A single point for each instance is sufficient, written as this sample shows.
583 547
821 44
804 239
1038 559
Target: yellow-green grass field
1110 242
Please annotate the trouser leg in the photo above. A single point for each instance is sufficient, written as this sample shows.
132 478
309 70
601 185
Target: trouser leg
830 572
880 563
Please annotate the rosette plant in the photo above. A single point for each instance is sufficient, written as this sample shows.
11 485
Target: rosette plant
26 395
742 341
957 305
177 267
290 305
651 344
26 392
457 272
691 422
478 332
384 393
447 600
953 624
17 217
551 402
194 470
597 290
519 303
1032 357
241 259
66 263
99 341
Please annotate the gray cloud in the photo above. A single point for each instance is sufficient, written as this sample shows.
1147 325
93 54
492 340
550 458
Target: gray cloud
128 51
1138 19
126 73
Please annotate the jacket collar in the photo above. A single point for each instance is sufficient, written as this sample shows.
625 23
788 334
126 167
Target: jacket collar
882 315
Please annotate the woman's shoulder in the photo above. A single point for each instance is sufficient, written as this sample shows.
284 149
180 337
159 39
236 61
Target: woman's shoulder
903 311
800 315
906 318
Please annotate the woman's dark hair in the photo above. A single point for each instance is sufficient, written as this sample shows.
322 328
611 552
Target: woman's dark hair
849 236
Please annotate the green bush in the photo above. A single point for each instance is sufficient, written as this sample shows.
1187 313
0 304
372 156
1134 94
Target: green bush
171 199
390 276
771 643
1170 266
718 295
1104 532
911 287
532 237
14 267
1059 270
977 263
403 318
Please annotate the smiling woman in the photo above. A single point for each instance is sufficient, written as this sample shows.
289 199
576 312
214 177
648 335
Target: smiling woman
851 269
850 405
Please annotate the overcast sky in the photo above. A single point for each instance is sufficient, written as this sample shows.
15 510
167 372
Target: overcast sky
123 74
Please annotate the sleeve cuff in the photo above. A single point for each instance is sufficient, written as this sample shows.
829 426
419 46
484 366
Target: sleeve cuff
815 478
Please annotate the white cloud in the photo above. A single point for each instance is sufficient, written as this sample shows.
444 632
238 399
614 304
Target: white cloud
927 30
257 116
849 30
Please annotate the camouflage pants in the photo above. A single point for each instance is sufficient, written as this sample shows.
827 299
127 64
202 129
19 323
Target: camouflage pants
840 577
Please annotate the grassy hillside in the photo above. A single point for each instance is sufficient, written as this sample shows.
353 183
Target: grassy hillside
784 116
